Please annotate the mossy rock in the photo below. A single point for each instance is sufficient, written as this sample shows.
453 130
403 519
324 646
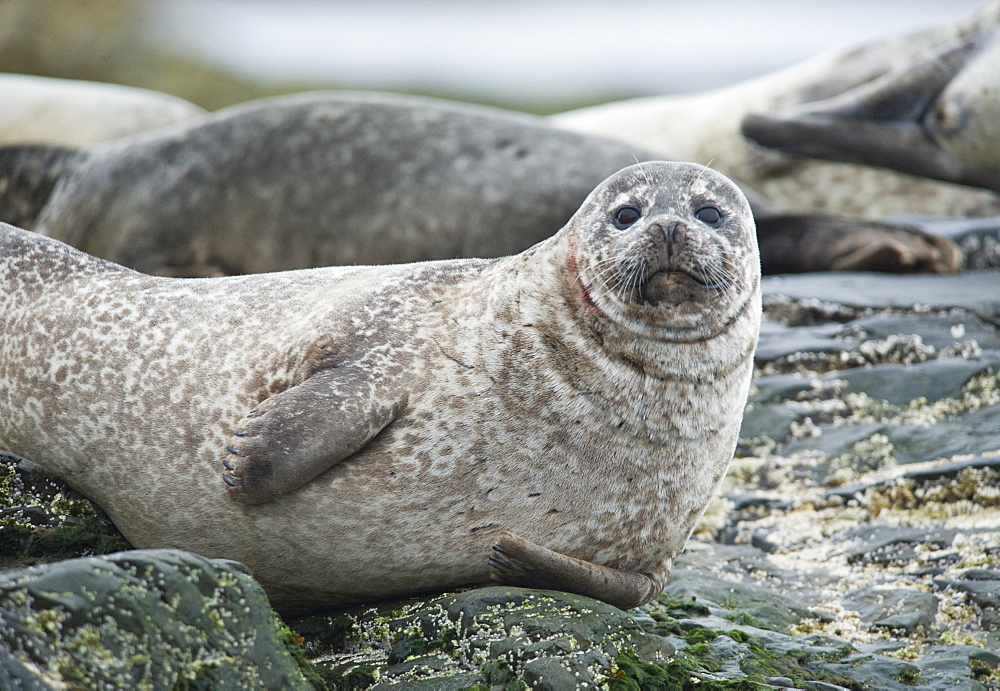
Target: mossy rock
143 619
494 637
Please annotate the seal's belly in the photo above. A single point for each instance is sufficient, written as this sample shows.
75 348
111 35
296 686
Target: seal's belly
402 518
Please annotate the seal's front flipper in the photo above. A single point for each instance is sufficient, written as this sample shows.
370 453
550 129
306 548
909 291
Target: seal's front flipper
295 435
516 561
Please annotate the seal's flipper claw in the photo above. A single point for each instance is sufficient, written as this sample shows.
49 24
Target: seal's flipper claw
228 481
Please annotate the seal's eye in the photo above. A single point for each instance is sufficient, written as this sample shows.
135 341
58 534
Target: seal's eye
708 214
626 216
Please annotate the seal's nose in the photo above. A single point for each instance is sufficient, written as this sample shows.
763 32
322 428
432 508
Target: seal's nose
668 229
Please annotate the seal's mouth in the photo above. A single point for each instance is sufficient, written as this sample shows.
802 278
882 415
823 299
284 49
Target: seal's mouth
687 275
674 286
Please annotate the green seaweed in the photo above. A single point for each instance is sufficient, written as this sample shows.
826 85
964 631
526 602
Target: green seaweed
43 520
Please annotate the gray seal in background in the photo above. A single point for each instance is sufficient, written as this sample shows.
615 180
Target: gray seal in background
348 178
706 126
70 112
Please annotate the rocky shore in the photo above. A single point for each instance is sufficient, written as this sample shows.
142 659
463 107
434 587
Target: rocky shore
856 545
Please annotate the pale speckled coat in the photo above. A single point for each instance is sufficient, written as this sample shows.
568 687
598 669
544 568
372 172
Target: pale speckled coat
591 426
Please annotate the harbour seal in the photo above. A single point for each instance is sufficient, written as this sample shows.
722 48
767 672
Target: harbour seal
558 418
342 178
706 127
937 117
70 112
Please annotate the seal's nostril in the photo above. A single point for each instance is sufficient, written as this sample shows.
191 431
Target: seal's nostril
668 230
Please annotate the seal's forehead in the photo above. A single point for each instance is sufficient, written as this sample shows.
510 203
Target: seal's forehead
666 182
692 181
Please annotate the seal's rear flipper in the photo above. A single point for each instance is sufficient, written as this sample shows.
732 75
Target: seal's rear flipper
295 435
28 174
792 242
516 561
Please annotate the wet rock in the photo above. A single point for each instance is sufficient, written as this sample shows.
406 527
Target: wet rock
986 594
161 618
938 330
42 520
772 421
947 470
956 667
778 340
888 544
903 609
741 602
876 671
930 381
975 432
975 291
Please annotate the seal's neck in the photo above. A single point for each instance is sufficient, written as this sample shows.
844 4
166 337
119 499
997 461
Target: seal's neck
542 320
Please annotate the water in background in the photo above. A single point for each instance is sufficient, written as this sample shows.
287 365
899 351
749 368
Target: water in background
523 50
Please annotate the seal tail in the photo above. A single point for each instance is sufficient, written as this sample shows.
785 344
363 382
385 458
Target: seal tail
28 174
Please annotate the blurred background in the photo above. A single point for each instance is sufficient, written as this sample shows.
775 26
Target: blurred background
541 56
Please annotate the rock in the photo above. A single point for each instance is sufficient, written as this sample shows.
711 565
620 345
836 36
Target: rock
939 329
956 666
986 594
904 609
887 544
162 618
741 602
43 520
930 381
773 421
488 636
975 291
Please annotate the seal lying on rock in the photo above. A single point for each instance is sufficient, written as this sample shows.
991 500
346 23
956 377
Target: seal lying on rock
558 418
339 178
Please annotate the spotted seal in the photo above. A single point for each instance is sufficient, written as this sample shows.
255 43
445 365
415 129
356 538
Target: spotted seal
558 418
73 112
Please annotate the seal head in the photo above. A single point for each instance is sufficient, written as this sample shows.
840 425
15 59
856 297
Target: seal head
670 252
